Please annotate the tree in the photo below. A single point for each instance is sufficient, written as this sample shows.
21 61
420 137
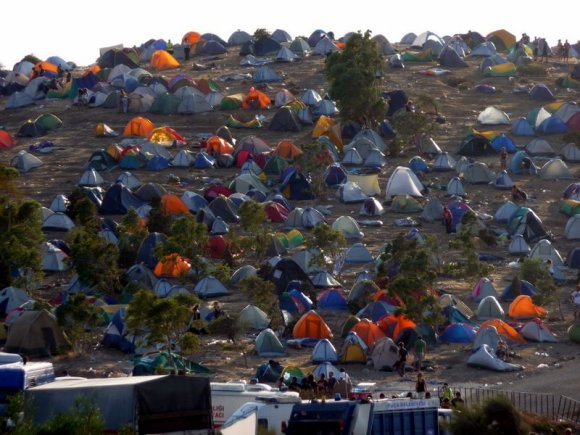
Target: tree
497 415
534 271
8 177
353 82
257 238
409 126
261 33
20 226
131 234
76 316
94 259
164 321
262 294
327 240
313 161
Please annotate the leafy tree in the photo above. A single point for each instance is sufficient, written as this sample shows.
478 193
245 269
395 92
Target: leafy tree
413 276
131 234
188 238
165 321
262 294
534 271
257 238
328 241
261 33
8 177
313 161
409 126
497 415
158 221
353 82
76 316
94 259
86 214
464 242
20 226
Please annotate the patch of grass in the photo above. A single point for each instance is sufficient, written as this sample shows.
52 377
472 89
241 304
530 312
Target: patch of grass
532 70
542 424
234 346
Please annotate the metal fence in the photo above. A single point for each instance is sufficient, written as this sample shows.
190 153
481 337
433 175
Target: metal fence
547 405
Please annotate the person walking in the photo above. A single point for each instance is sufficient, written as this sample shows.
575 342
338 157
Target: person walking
576 301
402 361
420 350
420 386
447 220
503 159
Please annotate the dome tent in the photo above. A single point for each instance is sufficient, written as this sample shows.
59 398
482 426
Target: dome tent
482 289
268 345
324 351
485 357
489 308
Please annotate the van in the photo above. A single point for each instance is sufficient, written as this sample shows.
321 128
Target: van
18 376
227 397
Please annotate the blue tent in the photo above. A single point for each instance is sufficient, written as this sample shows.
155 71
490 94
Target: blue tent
146 254
115 334
541 92
203 161
515 165
335 175
157 163
386 129
418 165
287 303
332 299
527 288
266 46
302 301
376 310
213 37
503 141
458 333
269 372
522 128
552 125
573 259
297 187
213 47
456 316
118 200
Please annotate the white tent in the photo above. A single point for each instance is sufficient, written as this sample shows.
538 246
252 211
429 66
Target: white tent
519 246
324 351
58 222
555 169
53 258
210 287
571 152
253 317
385 354
403 180
572 229
91 178
350 192
505 212
455 187
60 203
482 289
24 161
444 162
493 116
544 250
486 358
490 308
348 227
535 330
358 254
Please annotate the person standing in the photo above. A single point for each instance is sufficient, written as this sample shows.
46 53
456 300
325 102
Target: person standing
169 47
402 361
576 301
447 220
186 48
566 52
503 159
420 386
544 45
420 350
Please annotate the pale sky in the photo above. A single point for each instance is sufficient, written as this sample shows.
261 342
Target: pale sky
76 30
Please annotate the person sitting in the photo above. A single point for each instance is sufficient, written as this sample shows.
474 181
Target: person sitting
457 400
502 351
518 194
446 403
294 385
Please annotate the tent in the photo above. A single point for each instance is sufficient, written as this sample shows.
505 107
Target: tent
485 357
503 181
572 228
368 331
539 147
331 299
353 350
525 288
10 299
371 207
210 287
268 344
493 116
458 333
455 188
403 180
519 246
570 152
521 127
478 173
161 60
574 332
348 227
489 308
57 222
253 317
483 288
555 169
116 336
544 250
36 334
24 161
285 271
488 336
358 254
504 329
368 183
536 330
405 204
324 351
311 325
522 307
385 354
541 92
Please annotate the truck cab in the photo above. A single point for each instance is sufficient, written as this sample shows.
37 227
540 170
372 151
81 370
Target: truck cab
17 376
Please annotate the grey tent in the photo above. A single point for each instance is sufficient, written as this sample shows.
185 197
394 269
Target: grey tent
268 345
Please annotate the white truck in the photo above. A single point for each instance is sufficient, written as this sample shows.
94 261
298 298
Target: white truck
227 397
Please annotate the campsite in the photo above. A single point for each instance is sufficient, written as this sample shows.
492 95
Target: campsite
373 196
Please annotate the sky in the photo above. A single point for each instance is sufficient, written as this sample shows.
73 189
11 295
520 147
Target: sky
75 34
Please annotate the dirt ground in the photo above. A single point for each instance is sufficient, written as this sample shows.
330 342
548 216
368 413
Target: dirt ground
459 104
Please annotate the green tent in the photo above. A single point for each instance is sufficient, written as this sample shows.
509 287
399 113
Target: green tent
160 362
292 371
418 56
275 165
405 204
232 102
165 104
348 324
574 332
236 123
48 121
501 70
570 207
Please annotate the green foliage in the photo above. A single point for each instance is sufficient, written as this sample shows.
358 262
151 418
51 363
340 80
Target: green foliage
261 33
495 416
257 239
164 321
326 240
533 69
408 126
20 226
262 294
77 315
95 260
572 137
131 235
158 221
353 82
415 275
86 214
226 325
8 177
314 159
464 242
536 272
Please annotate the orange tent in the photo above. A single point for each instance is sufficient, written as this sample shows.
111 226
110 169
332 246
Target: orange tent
94 68
114 151
503 329
172 204
6 140
47 67
287 149
139 126
161 60
255 100
368 332
311 325
383 295
192 37
165 135
173 265
326 126
217 146
392 325
523 307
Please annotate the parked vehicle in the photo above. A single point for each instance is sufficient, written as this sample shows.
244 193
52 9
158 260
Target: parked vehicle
15 377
